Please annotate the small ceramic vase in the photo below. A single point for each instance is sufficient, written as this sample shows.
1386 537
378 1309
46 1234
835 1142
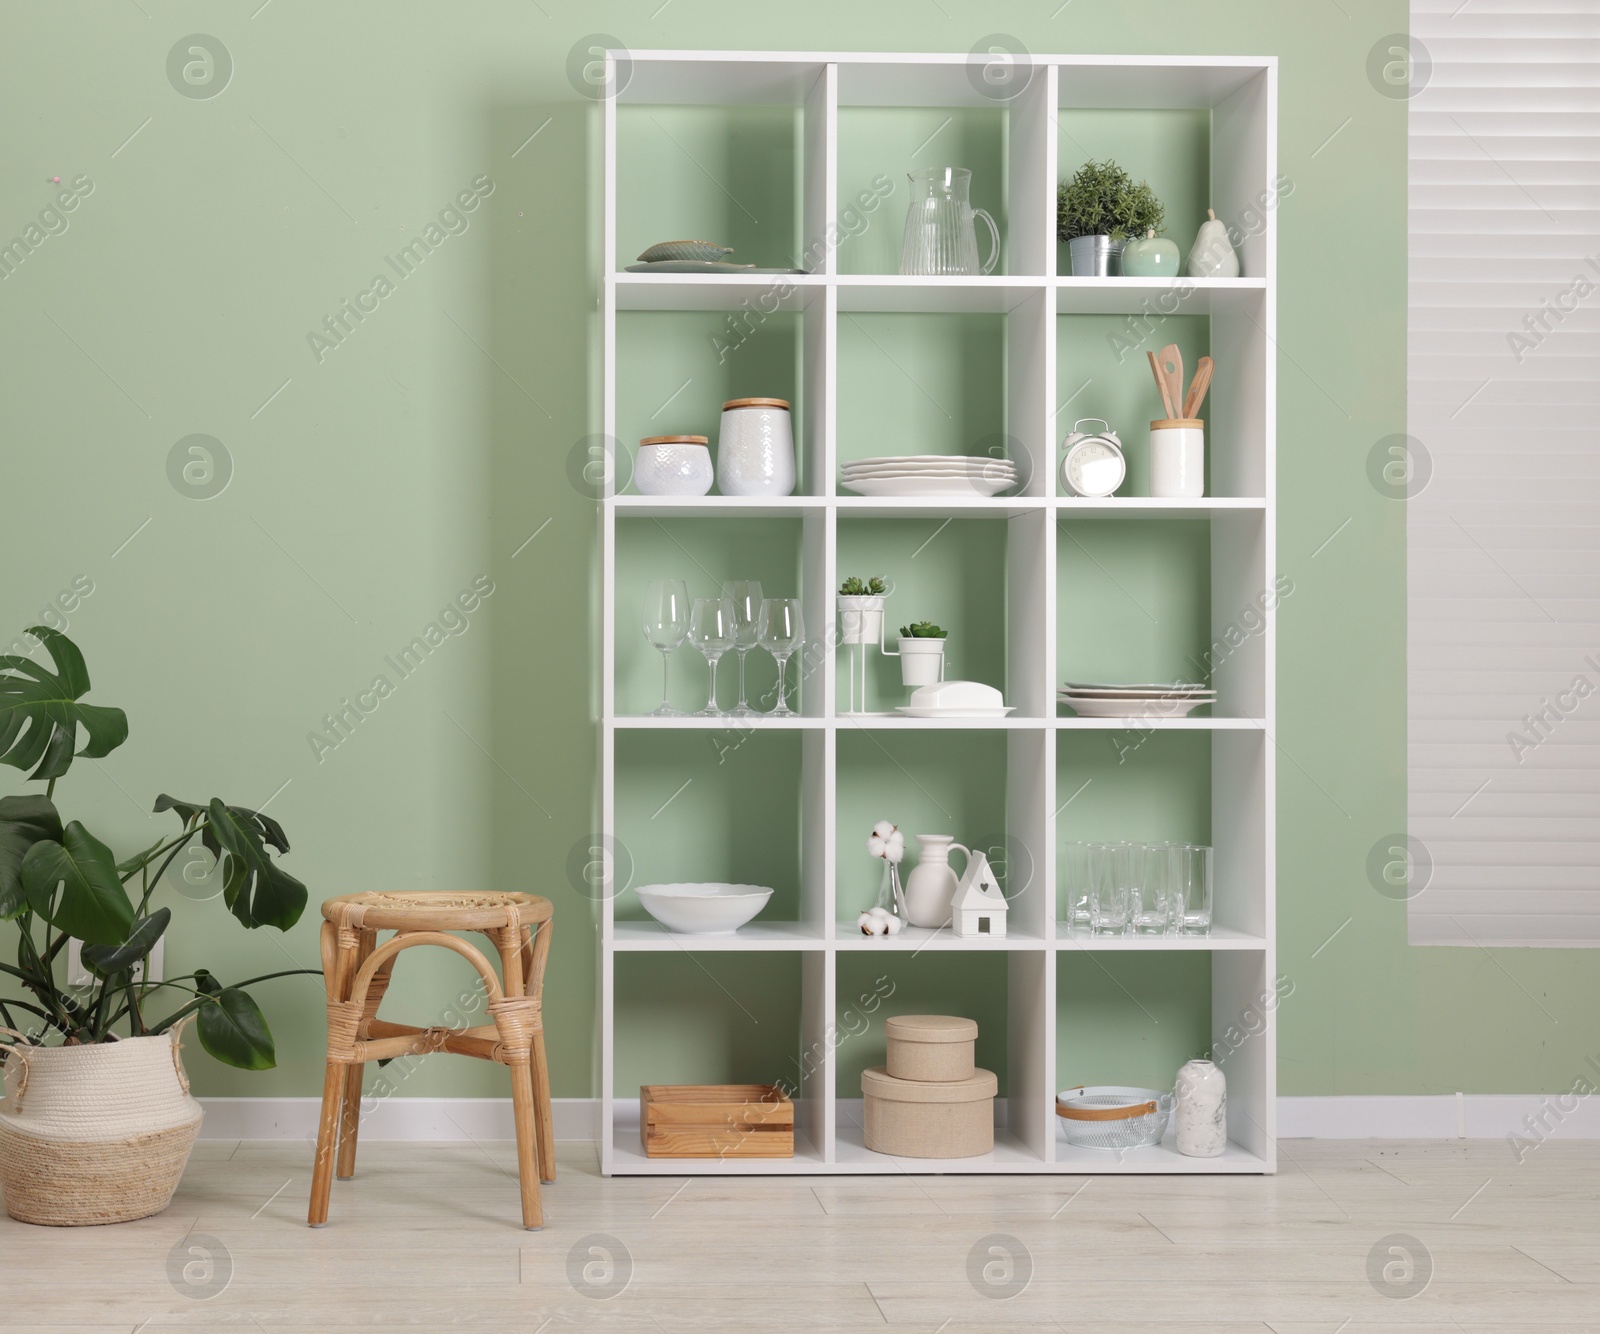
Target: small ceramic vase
673 465
755 448
1200 1115
1150 256
932 884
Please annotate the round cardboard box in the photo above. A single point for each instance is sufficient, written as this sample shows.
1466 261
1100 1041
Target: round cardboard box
911 1119
932 1048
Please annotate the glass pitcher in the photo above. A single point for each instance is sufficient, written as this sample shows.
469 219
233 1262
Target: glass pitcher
940 238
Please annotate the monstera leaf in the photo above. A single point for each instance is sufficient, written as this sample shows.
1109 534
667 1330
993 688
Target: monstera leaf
255 888
40 712
106 960
24 821
92 905
233 1029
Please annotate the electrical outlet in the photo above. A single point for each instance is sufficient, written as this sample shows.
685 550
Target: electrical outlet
149 969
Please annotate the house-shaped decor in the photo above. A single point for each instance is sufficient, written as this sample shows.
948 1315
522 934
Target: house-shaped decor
979 908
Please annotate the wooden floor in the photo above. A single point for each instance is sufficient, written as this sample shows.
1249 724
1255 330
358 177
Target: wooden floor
427 1238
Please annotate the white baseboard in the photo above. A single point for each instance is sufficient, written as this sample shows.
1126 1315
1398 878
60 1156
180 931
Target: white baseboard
1418 1116
1441 1116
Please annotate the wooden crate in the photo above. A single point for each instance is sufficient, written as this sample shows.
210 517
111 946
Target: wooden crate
715 1121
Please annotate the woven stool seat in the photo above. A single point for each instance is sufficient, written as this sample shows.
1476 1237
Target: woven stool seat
357 969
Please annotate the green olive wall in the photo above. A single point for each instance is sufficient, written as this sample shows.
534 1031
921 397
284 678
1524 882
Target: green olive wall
371 479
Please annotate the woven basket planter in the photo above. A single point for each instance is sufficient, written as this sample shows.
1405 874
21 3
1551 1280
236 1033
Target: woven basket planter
95 1134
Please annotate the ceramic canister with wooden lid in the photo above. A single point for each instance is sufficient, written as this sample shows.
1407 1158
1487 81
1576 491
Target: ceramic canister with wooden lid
673 465
1178 458
755 448
932 1048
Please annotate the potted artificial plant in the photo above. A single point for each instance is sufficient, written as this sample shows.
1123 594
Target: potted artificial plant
922 653
1098 210
861 610
97 1123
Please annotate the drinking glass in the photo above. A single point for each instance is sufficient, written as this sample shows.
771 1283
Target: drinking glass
745 594
1110 888
1152 898
781 631
1075 884
666 625
1194 889
711 630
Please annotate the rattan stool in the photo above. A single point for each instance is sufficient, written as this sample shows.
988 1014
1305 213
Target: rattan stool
356 969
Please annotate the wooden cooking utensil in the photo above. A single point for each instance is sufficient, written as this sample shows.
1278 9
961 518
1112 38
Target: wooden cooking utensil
1197 390
1161 384
1171 362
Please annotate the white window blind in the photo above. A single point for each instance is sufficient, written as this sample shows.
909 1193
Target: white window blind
1503 523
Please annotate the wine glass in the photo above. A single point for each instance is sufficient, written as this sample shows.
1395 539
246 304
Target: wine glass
745 594
781 631
666 624
713 632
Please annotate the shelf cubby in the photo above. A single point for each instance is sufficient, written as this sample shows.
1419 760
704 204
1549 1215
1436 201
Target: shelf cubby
1034 587
704 555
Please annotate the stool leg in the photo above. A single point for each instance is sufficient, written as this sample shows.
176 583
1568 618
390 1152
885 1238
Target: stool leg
339 948
535 953
327 1130
508 941
350 1106
540 1070
527 1146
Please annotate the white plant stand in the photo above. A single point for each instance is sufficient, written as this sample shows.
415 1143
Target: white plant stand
1241 96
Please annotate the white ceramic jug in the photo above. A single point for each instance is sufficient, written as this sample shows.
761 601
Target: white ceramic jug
931 886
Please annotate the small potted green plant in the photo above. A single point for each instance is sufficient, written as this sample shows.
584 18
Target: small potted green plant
1098 210
922 653
861 609
98 1122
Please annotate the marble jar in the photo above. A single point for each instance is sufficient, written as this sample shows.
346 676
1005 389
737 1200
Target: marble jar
1200 1116
755 448
673 465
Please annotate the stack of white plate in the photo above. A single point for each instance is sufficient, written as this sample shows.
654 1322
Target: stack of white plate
1172 700
929 475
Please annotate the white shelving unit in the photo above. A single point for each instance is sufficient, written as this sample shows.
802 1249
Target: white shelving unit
1241 96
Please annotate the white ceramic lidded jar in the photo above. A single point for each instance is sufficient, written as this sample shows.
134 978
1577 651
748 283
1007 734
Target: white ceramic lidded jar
1200 1114
755 448
673 465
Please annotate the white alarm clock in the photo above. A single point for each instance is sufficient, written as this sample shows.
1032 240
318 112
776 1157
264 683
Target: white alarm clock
1093 464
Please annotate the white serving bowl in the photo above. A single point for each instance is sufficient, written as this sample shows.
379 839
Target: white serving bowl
703 910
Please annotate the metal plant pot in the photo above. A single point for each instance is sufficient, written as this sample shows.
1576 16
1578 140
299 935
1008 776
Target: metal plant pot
1095 256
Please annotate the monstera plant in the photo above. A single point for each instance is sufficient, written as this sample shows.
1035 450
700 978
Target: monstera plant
58 882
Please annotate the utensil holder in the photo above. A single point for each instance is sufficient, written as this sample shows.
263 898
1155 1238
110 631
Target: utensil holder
1178 458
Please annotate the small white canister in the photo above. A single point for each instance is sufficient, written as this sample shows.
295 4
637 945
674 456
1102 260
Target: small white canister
1200 1113
755 448
673 465
1178 458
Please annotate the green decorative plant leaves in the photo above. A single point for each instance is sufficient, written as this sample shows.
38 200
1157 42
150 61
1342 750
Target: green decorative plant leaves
233 1029
40 712
92 905
256 890
259 892
24 821
104 960
1101 199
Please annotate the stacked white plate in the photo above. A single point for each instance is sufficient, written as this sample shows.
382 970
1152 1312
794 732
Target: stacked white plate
1161 700
929 475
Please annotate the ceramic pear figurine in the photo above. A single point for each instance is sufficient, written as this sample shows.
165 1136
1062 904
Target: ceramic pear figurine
1151 256
1212 255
